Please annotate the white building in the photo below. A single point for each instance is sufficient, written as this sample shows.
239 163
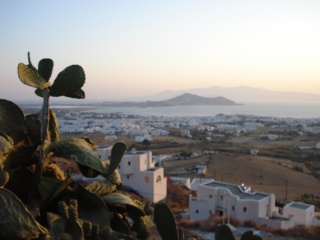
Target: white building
183 181
254 152
137 170
104 152
232 201
201 169
222 199
302 213
272 137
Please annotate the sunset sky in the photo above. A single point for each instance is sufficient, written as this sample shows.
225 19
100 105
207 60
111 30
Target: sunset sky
137 48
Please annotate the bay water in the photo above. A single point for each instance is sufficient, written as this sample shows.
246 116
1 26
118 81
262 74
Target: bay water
263 109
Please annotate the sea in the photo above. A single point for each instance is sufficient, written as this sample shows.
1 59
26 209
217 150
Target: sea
262 109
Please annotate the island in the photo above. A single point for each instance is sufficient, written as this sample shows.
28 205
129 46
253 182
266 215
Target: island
186 99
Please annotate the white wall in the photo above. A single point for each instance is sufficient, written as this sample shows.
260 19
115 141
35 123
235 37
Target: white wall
220 200
301 216
138 172
149 184
104 152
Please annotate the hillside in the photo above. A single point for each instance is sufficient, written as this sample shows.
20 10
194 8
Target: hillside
185 99
238 94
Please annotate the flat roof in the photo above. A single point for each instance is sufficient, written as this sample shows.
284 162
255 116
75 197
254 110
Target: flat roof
237 191
299 206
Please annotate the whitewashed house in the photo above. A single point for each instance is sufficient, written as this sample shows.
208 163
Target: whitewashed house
302 213
254 152
272 137
222 199
137 170
184 181
201 169
229 200
186 133
104 152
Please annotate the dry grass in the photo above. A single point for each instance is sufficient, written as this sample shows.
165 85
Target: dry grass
263 174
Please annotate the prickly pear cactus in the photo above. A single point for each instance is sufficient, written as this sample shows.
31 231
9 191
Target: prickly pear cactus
4 178
165 222
223 232
68 209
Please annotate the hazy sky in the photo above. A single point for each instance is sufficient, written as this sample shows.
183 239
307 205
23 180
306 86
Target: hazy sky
136 48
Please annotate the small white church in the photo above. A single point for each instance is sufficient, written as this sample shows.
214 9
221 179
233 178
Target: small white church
229 200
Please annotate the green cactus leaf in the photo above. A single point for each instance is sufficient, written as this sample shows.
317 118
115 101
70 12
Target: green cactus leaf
114 178
38 92
136 211
53 126
118 198
93 213
141 228
16 222
31 77
4 178
101 188
21 183
88 198
33 125
165 222
88 161
117 152
181 233
142 223
68 81
56 224
79 94
74 228
6 147
248 235
45 68
11 116
88 142
120 223
24 155
223 232
50 188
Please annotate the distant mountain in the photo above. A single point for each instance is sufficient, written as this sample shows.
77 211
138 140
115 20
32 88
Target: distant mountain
238 94
185 99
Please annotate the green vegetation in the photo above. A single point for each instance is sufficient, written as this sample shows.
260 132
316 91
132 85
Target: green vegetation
39 200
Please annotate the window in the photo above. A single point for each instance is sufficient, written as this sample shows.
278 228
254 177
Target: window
128 177
129 163
158 179
197 211
221 197
146 179
210 212
232 208
210 196
244 209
